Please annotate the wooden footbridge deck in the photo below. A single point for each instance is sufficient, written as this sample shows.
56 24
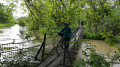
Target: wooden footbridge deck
64 58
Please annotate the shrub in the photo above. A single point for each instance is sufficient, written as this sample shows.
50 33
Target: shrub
92 35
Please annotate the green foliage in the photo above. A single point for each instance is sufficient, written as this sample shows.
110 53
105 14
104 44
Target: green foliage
92 35
79 63
18 60
7 48
6 15
21 21
102 17
94 59
99 16
48 15
6 25
26 35
97 61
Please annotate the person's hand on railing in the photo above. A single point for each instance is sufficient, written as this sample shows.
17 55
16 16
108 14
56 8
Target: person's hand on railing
60 33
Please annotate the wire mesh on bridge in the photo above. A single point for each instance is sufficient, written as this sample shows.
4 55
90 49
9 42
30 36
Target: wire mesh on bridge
56 59
9 50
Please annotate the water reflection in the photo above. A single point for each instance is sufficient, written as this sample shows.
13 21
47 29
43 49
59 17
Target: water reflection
8 34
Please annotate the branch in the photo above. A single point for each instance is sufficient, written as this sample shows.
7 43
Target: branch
31 10
92 4
32 18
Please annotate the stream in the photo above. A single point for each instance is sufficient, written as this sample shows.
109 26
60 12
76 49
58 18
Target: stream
100 46
10 33
104 48
7 35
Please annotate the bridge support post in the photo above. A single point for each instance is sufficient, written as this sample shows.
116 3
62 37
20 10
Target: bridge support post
0 57
43 50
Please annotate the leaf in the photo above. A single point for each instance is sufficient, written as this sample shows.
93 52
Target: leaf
107 40
112 43
72 1
119 49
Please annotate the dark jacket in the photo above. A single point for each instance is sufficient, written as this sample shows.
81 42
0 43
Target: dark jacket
67 33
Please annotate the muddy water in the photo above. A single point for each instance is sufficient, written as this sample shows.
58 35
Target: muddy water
102 47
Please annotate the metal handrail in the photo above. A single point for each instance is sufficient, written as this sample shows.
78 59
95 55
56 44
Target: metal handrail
18 49
8 39
17 42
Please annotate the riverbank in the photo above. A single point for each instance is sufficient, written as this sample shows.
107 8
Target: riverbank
5 25
100 46
103 51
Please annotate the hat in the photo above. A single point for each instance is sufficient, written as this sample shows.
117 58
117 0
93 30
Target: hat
66 23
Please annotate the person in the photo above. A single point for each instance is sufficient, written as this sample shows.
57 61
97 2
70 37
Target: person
66 34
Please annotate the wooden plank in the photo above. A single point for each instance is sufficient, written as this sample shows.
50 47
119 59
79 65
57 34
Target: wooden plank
116 65
57 61
48 61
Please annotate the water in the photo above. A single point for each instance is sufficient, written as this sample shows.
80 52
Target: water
101 48
7 36
104 48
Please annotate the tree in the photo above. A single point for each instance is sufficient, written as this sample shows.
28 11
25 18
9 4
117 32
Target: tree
47 15
6 15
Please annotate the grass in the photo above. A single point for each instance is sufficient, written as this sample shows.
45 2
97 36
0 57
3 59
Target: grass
5 25
92 35
0 31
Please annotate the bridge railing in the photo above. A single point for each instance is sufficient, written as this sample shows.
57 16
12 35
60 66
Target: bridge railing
11 48
57 59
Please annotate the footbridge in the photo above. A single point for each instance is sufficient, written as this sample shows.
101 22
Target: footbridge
57 57
60 57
